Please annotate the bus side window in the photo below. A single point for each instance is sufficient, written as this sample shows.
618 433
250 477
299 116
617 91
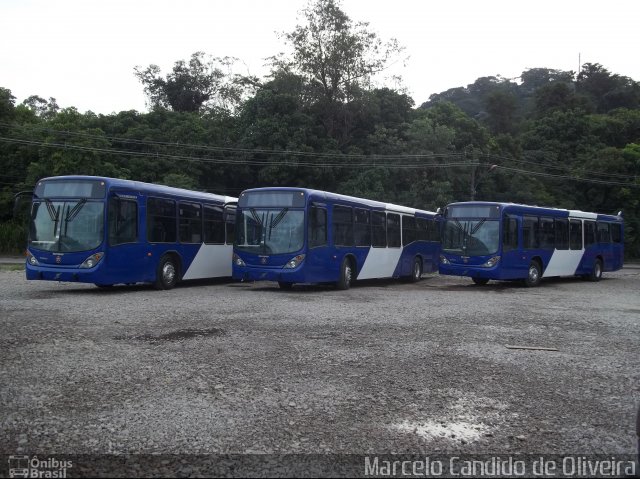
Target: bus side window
190 223
317 227
422 229
342 226
589 233
603 233
509 233
230 223
434 230
161 221
616 232
530 237
562 233
575 234
393 230
362 227
123 221
213 225
547 236
378 229
409 233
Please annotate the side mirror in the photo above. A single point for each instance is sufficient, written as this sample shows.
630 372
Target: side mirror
17 201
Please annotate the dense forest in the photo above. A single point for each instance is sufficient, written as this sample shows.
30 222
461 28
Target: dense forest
550 137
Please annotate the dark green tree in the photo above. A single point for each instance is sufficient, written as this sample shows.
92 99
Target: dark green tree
203 82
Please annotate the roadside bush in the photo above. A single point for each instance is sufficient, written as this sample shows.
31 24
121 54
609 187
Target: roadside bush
13 237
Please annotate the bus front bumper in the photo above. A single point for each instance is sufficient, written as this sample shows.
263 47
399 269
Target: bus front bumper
470 271
74 275
248 273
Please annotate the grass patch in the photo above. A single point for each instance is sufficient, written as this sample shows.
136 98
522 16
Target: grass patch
11 267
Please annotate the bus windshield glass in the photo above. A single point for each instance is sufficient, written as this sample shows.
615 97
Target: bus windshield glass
269 231
66 226
471 237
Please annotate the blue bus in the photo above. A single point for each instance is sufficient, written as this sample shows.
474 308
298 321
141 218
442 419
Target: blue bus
505 241
108 231
296 235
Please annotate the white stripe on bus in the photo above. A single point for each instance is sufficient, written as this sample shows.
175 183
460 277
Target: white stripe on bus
380 263
212 260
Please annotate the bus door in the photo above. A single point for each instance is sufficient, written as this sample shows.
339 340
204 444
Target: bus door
317 242
617 245
513 262
126 255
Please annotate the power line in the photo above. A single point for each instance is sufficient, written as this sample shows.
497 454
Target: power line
376 159
221 149
166 156
372 160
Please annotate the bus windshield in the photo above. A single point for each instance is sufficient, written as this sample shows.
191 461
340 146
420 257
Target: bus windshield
66 226
269 231
471 237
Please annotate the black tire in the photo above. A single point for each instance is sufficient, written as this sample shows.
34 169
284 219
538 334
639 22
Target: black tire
534 274
480 281
285 285
346 275
167 273
416 271
104 286
596 272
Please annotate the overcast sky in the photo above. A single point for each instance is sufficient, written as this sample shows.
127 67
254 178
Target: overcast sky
83 52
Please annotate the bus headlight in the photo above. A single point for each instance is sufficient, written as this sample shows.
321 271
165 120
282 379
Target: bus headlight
32 259
444 260
492 262
294 262
237 260
92 260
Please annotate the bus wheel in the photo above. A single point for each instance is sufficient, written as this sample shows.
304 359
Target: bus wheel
346 275
596 272
285 285
417 270
167 274
480 281
534 274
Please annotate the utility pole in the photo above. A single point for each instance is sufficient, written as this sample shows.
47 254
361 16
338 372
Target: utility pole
472 192
478 176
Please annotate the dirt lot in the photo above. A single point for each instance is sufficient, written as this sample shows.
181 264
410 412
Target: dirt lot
386 367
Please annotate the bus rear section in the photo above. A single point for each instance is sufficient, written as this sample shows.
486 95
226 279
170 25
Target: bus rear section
504 241
308 236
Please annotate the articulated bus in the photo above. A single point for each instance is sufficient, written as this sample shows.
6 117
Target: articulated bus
505 241
296 235
108 231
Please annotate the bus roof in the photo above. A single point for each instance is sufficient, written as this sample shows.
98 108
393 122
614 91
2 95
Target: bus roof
148 188
336 198
541 210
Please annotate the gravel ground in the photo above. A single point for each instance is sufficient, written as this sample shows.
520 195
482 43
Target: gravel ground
386 367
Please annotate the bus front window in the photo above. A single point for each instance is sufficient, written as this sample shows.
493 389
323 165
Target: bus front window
471 237
269 231
66 226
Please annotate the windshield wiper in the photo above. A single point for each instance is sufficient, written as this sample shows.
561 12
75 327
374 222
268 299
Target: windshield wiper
477 227
53 213
73 212
275 221
255 217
